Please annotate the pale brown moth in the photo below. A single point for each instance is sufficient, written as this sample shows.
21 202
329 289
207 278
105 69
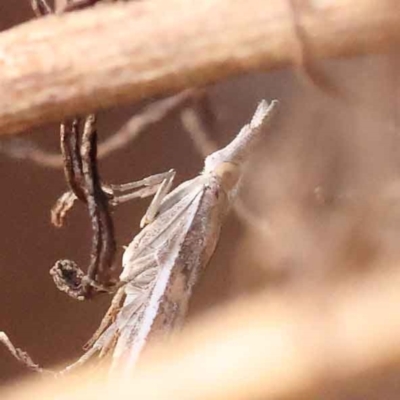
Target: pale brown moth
163 262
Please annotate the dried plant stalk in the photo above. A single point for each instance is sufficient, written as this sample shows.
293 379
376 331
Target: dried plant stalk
20 355
154 113
153 48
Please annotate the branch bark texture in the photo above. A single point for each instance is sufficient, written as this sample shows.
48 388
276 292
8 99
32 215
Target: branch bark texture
113 54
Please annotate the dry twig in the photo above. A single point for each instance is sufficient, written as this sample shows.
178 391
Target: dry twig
154 113
81 172
20 355
176 44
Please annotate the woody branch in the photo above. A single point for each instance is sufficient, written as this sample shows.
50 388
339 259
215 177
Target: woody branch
113 54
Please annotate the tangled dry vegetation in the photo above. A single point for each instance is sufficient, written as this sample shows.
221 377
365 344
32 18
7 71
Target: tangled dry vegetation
301 298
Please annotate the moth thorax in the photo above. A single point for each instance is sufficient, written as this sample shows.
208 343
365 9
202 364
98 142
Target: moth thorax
229 175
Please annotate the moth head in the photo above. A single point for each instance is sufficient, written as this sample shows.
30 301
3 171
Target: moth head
237 151
229 175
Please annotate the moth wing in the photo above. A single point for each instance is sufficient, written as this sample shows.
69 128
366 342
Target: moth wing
133 337
152 237
144 262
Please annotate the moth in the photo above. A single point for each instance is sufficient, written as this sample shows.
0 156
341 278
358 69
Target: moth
164 261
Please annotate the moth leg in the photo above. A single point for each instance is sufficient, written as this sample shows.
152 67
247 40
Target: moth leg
144 188
107 347
154 206
140 189
108 318
80 362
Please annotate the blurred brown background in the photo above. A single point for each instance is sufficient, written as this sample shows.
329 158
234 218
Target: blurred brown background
320 202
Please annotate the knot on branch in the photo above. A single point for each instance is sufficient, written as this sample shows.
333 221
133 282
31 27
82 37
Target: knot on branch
69 278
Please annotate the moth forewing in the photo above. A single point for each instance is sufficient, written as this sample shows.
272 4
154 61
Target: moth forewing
169 232
175 247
